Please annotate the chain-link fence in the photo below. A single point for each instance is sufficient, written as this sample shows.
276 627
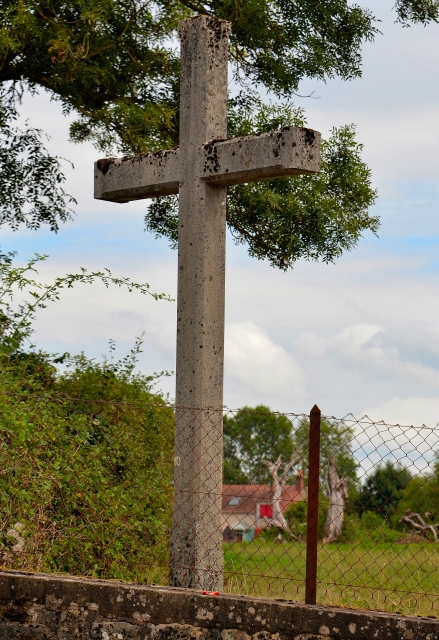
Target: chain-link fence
375 516
292 506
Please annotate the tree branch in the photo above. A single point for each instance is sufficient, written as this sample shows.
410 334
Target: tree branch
421 525
196 7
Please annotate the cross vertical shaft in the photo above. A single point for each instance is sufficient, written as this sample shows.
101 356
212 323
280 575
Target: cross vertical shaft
196 553
200 170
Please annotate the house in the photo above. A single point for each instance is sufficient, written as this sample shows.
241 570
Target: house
248 508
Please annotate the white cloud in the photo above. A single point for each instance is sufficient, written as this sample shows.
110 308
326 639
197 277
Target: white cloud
415 411
353 342
259 364
368 346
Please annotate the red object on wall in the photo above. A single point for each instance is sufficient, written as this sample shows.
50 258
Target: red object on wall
265 511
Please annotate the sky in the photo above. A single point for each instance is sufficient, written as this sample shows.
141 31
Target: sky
360 336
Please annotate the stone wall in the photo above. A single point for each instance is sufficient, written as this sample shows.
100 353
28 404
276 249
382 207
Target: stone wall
43 607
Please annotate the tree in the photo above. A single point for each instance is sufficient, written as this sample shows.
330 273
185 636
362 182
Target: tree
253 437
112 65
417 11
337 492
383 490
335 440
31 191
286 219
426 529
421 495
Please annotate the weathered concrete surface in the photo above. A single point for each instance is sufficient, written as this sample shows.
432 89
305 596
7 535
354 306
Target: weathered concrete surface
47 607
137 177
196 539
200 170
288 152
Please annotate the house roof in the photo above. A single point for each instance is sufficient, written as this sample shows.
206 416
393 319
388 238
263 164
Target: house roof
250 495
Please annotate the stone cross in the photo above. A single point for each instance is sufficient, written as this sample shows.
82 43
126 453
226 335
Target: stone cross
200 170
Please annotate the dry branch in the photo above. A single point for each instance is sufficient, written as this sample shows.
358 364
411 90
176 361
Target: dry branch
410 518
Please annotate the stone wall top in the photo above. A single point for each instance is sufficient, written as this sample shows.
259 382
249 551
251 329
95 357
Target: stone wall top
41 606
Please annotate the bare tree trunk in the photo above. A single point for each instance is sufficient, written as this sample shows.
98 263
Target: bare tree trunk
279 482
278 489
337 502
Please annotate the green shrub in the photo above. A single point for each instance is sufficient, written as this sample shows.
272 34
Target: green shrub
421 496
295 516
376 529
86 457
383 489
352 530
271 533
86 467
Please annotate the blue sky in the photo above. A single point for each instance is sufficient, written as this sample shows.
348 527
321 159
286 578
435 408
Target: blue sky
359 336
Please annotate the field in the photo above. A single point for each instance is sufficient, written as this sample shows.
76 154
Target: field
386 577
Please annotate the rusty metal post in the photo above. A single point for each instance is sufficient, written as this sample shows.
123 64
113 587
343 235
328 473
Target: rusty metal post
313 506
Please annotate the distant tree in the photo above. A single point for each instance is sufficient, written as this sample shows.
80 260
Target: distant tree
383 490
421 494
281 473
251 436
256 434
421 524
232 471
335 440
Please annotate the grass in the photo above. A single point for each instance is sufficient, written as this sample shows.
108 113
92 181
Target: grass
386 577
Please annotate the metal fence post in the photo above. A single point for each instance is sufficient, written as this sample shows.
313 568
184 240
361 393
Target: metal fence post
313 506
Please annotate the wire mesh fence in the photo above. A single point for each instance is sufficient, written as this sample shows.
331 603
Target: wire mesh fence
110 489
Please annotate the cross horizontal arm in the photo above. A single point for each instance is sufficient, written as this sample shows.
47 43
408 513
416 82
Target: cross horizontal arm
290 151
287 152
137 177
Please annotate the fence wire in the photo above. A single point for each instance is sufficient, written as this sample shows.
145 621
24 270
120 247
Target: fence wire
113 490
